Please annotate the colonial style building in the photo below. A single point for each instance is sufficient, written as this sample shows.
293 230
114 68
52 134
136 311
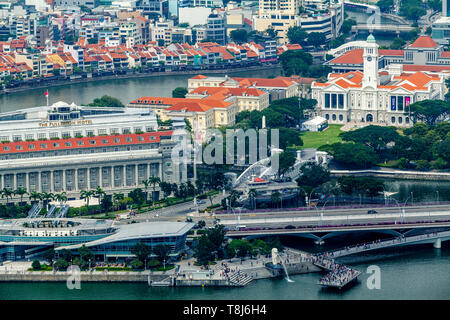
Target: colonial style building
423 53
372 96
70 148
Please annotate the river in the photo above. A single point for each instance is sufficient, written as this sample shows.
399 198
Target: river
124 89
415 273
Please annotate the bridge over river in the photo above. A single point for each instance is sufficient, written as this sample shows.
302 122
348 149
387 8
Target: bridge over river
323 226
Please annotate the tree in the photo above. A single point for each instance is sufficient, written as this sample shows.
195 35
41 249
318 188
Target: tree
86 255
239 35
49 255
271 32
36 265
106 101
354 155
252 194
376 137
179 92
7 193
397 43
36 196
86 195
117 197
138 197
203 250
137 264
20 191
297 35
316 39
47 197
217 236
61 197
162 252
61 264
141 251
154 181
166 188
275 198
285 161
99 193
429 110
312 175
385 5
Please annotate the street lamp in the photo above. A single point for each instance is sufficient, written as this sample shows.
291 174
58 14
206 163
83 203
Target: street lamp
437 193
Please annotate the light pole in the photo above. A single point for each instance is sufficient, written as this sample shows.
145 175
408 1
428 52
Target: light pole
398 208
437 194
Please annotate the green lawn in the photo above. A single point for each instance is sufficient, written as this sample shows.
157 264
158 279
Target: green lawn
317 139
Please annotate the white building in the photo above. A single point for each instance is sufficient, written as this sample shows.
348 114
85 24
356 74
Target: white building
62 120
372 96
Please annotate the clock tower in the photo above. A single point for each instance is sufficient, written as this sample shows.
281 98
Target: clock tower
370 57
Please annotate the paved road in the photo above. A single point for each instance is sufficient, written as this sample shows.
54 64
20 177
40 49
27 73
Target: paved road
340 217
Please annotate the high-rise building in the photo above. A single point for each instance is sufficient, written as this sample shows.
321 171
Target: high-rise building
441 27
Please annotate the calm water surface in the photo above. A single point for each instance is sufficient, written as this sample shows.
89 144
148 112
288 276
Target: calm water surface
416 273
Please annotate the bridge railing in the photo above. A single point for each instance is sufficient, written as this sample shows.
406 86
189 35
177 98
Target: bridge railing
384 244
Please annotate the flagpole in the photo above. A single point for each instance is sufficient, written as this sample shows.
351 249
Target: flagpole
46 96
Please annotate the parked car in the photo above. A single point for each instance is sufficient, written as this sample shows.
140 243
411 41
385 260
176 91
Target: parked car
371 212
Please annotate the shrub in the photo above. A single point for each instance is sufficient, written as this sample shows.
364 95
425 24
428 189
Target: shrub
36 265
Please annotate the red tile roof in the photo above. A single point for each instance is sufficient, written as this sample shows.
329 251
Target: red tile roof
424 42
60 144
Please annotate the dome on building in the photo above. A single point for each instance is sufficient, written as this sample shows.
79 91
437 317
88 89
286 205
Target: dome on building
370 38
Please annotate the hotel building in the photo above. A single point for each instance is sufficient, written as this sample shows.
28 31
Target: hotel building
112 150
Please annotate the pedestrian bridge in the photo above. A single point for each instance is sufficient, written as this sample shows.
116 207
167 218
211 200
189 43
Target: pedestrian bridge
382 27
435 237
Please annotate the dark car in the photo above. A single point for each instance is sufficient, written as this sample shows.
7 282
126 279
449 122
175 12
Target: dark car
371 212
289 227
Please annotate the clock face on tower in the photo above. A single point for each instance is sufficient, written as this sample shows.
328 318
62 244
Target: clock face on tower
369 59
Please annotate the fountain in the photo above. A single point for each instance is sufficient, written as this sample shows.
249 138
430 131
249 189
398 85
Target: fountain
275 259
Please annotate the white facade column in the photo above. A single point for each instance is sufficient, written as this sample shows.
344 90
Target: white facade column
88 175
64 186
39 181
100 177
15 182
75 184
136 173
51 180
112 177
27 181
124 176
160 170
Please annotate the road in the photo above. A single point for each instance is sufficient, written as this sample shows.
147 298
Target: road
338 217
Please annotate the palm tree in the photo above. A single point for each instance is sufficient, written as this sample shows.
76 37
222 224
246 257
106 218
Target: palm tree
61 198
36 196
275 198
20 191
252 194
99 193
7 193
154 181
86 194
47 196
118 197
146 183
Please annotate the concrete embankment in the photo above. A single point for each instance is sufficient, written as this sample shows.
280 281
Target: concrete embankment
394 174
48 276
27 87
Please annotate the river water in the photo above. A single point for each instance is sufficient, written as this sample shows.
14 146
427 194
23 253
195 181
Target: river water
124 89
419 273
